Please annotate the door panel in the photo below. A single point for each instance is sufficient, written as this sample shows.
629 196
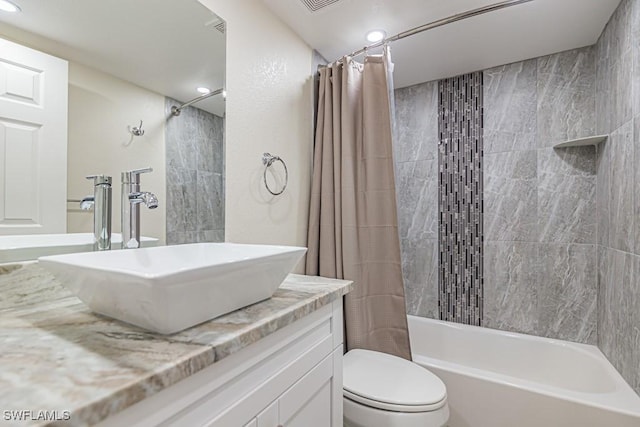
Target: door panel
33 141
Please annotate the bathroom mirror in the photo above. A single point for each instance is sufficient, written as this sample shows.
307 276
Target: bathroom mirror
129 62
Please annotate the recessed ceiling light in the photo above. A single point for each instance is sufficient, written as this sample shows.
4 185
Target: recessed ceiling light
7 6
202 90
375 36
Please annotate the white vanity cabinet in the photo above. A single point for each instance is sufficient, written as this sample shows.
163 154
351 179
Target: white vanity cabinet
290 378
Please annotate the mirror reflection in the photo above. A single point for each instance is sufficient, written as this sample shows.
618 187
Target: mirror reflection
87 90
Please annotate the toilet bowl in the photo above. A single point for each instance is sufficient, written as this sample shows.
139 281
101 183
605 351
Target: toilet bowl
381 390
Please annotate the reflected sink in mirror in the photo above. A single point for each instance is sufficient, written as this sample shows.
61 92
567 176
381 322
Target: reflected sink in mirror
32 246
171 288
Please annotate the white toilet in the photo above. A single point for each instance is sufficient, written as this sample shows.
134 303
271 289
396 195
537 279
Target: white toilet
381 390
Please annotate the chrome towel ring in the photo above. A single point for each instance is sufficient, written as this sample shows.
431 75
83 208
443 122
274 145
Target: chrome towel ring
267 161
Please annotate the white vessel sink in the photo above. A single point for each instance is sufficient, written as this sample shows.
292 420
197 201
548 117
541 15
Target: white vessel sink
32 246
171 288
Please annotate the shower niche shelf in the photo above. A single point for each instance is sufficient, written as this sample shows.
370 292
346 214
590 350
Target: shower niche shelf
581 142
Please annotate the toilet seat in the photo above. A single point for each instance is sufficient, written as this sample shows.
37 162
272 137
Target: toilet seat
387 382
394 408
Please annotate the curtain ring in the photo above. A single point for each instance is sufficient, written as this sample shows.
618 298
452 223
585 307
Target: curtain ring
267 161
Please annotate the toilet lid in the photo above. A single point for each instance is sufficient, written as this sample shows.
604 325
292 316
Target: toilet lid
389 382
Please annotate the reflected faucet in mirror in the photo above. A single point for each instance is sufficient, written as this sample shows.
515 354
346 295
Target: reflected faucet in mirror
132 197
101 202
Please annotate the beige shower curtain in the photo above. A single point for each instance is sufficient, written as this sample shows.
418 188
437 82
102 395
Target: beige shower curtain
353 224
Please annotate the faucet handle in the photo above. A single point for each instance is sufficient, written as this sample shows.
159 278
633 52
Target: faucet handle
139 171
133 176
100 179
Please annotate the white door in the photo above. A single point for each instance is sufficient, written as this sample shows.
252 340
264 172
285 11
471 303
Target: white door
33 141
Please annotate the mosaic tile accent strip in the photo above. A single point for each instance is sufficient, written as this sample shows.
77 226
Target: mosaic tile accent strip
460 232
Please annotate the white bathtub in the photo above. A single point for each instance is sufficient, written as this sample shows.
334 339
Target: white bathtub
504 379
32 246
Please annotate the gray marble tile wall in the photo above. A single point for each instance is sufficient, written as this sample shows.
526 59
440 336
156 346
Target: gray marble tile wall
416 164
562 226
540 202
195 176
618 197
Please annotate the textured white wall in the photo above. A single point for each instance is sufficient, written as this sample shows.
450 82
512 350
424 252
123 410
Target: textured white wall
269 108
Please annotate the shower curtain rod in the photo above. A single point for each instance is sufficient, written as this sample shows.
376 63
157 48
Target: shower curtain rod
176 110
438 23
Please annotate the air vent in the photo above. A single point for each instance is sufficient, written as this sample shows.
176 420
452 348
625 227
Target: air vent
221 27
217 23
316 5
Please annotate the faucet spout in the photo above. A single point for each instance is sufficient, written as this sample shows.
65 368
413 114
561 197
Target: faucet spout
87 203
149 199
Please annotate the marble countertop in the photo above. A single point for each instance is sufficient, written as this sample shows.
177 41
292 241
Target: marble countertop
57 355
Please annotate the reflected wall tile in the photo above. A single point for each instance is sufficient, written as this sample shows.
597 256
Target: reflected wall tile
180 137
217 136
218 198
205 200
566 96
510 289
205 145
567 286
195 156
417 199
215 236
510 107
209 201
176 238
420 273
510 196
181 238
181 200
621 209
416 114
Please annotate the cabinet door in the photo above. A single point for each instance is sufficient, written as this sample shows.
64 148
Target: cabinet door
308 403
269 416
252 423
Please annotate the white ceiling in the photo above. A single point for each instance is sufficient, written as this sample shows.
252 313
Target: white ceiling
162 45
525 31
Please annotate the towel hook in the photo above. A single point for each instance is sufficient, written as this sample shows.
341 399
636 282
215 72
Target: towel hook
137 130
267 161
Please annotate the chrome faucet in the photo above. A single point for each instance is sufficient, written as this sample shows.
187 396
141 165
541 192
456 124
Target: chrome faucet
101 202
132 197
